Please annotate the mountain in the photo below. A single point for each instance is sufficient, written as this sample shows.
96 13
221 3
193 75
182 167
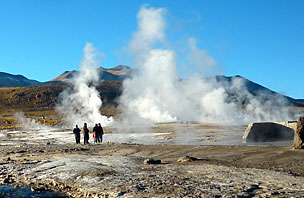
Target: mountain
10 80
46 96
35 94
64 76
117 73
258 91
255 90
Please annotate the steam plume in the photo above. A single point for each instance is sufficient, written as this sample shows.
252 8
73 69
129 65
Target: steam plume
28 123
151 25
156 93
81 101
200 58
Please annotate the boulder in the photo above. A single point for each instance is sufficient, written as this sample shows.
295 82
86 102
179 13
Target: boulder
268 132
299 134
186 159
152 161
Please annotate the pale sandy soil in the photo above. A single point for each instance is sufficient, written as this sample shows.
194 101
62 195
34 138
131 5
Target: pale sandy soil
51 160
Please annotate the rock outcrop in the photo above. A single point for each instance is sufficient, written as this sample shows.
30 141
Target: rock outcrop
299 134
269 132
152 161
186 159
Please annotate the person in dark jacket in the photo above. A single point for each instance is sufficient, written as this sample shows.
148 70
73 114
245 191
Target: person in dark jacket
96 132
76 132
85 134
100 133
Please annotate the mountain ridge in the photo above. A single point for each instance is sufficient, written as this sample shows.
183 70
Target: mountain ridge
121 72
256 89
11 80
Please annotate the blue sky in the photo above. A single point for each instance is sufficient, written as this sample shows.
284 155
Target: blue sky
260 40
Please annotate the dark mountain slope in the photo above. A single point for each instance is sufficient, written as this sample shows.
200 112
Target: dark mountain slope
10 80
256 90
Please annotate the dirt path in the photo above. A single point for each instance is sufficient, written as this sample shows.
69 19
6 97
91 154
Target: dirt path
114 169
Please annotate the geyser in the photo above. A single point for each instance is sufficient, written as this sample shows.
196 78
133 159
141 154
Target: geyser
29 123
156 94
81 102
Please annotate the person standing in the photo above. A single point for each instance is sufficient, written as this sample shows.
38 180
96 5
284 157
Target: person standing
96 132
76 132
85 134
100 133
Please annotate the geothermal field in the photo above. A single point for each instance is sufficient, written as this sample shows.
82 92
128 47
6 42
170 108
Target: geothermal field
163 160
167 136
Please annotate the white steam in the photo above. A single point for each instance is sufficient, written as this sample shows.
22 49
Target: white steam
151 26
29 123
200 58
156 93
81 102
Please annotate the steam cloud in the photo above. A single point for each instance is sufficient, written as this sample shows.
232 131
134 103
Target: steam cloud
81 101
156 94
28 123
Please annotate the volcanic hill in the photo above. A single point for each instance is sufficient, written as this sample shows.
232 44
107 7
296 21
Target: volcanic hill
117 73
20 93
10 80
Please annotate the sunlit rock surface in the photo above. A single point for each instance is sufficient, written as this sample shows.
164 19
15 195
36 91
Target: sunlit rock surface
299 135
269 131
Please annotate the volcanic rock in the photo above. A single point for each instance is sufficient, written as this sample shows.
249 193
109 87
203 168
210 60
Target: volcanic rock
267 132
299 135
152 161
186 159
8 179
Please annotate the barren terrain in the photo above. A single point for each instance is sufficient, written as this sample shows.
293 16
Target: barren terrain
49 160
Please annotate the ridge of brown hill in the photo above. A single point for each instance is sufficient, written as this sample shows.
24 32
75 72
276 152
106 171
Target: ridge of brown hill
119 72
64 76
45 97
29 98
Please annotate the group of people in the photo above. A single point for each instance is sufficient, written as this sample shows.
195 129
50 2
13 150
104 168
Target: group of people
97 133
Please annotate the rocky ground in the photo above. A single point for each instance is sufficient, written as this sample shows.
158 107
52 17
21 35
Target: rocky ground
115 169
42 161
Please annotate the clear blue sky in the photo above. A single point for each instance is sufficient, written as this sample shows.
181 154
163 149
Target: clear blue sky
260 40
